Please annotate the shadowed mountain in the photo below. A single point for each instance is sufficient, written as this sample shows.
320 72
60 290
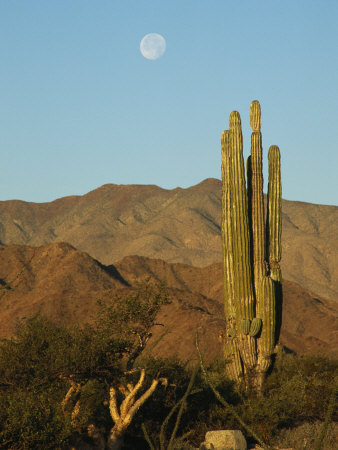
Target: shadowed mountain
64 284
178 225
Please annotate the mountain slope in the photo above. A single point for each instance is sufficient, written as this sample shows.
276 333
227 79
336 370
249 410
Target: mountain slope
178 225
64 284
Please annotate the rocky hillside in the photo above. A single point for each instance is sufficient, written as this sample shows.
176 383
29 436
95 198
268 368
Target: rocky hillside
177 226
64 284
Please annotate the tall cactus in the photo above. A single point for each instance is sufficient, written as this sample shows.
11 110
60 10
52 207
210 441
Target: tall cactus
275 220
252 251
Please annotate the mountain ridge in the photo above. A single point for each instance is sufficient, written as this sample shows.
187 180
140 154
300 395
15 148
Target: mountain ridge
176 225
64 284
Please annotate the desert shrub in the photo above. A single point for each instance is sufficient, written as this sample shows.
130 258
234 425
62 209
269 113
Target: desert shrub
304 385
39 363
31 356
126 319
34 369
41 351
32 419
304 436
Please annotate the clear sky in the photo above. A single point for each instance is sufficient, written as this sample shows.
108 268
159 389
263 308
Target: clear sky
81 107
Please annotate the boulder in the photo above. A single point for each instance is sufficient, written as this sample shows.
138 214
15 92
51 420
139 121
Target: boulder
225 440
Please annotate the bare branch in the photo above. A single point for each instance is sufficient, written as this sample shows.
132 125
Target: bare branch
129 416
129 406
113 405
133 391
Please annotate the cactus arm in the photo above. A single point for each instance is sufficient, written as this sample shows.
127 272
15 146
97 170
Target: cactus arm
243 289
227 241
255 116
266 342
240 227
274 214
275 230
270 290
231 352
257 199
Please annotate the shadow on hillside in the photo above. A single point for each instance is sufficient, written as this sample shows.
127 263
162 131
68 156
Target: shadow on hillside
113 272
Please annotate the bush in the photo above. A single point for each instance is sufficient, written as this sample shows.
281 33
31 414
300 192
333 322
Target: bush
32 420
304 436
37 365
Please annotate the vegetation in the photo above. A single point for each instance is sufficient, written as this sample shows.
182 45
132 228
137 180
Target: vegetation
45 362
54 380
252 251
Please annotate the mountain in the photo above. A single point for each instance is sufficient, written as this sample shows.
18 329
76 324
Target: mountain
177 226
64 284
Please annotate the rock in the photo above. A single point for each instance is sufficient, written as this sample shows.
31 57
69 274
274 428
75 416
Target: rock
226 440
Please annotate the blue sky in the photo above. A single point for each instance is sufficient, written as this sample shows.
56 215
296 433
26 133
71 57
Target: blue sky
81 107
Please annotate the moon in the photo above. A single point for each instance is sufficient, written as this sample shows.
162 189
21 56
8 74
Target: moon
152 46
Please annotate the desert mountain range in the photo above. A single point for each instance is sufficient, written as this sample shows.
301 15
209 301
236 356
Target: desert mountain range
176 226
64 284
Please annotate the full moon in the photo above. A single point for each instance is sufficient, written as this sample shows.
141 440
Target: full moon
152 46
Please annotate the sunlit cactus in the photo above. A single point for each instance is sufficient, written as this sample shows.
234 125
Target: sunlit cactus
275 219
236 241
255 116
233 359
255 326
245 326
266 342
252 251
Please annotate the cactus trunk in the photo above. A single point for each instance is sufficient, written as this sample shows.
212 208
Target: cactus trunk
236 240
251 250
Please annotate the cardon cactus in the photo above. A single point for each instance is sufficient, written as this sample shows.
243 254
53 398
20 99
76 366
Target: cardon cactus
255 326
251 250
245 326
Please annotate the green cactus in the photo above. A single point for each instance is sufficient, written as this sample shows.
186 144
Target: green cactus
266 343
233 360
251 249
255 326
245 326
236 239
256 198
274 211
